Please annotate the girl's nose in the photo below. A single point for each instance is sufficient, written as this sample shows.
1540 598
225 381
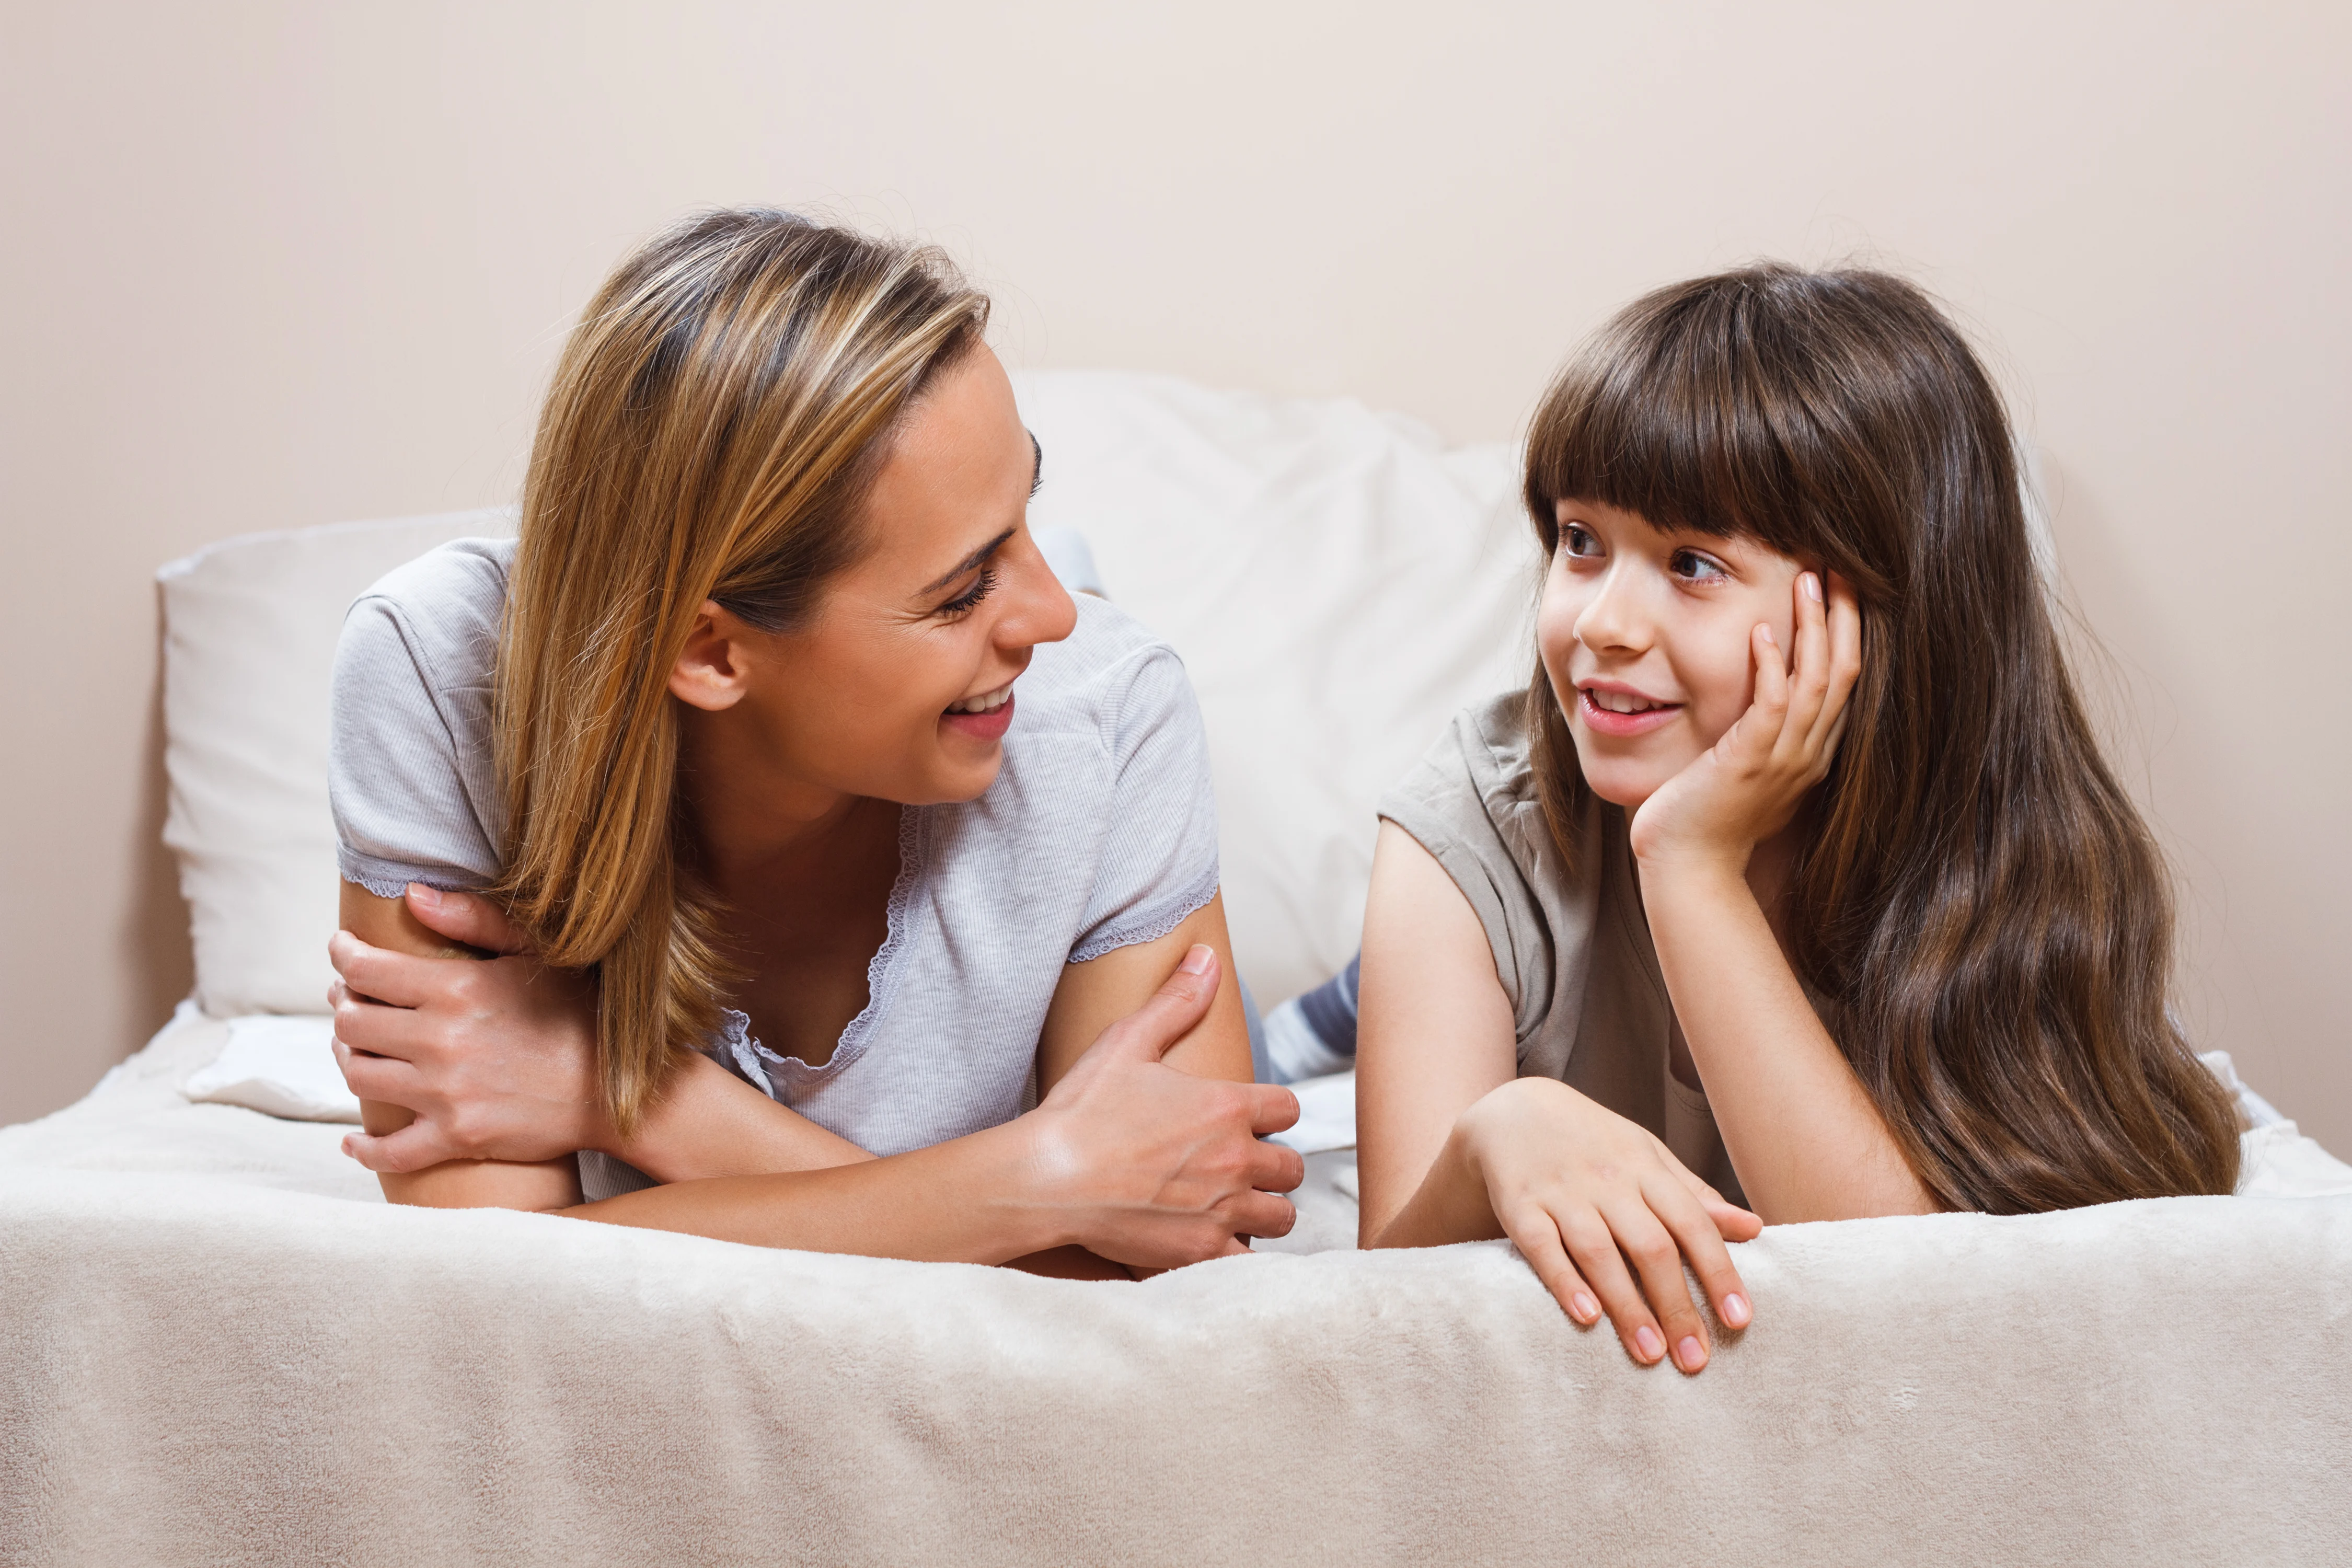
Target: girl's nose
1615 617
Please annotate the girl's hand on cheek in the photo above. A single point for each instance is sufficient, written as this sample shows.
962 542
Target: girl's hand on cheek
1581 1191
1748 786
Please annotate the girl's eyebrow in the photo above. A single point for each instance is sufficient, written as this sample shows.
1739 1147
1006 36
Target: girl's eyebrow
1037 464
966 564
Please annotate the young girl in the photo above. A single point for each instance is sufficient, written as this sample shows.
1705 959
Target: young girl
1795 876
840 827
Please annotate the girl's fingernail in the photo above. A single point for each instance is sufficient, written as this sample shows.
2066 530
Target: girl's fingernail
1812 588
1769 640
429 897
1691 1353
1647 1345
1734 1309
1584 1307
1197 960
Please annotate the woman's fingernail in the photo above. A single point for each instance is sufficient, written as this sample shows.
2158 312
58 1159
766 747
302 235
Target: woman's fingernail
1812 587
429 897
1198 960
1647 1345
1584 1307
1690 1353
1769 640
1734 1309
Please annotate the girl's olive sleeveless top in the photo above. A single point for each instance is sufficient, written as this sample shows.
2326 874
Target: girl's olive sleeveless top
1571 945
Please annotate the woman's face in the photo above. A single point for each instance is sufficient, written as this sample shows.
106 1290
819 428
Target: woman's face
1645 634
904 681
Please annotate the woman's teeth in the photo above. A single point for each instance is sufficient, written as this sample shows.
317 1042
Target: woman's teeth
986 702
1619 702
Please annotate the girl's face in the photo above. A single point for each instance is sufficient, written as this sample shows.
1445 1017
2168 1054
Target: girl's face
904 681
1645 634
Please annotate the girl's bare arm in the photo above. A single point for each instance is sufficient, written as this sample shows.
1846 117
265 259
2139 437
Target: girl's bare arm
1452 1146
1807 1140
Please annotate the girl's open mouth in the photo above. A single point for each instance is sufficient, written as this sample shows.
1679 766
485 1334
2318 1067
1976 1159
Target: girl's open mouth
1622 714
983 718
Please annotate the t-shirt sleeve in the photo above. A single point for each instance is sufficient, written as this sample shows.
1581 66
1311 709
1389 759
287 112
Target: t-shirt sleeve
407 755
1159 856
1442 804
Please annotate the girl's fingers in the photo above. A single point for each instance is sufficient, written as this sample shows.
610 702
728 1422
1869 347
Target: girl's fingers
1694 1231
382 974
1731 1222
1536 1236
1657 1258
383 1031
1810 677
416 1147
1593 1247
1844 664
1758 730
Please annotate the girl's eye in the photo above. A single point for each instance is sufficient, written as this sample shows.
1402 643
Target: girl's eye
1579 542
1692 567
964 603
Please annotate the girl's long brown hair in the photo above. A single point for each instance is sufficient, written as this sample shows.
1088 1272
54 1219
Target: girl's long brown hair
717 417
1975 889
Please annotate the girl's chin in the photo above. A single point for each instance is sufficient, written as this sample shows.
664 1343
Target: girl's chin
1618 783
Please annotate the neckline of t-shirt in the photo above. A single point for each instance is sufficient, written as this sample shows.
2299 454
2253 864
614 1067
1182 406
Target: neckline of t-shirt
881 971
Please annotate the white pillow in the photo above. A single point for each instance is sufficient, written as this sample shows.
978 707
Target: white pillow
1339 583
284 1066
249 629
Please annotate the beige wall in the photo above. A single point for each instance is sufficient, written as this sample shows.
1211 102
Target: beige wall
269 265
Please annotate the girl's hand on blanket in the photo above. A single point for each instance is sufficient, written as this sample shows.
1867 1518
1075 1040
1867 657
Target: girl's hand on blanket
496 1059
1747 786
1153 1167
1581 1190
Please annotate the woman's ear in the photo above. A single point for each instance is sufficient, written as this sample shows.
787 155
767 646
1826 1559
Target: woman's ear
710 673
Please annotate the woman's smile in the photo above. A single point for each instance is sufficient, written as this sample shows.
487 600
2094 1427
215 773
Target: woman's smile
983 718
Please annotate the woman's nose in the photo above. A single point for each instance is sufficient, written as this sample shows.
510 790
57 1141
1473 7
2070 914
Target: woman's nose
1038 609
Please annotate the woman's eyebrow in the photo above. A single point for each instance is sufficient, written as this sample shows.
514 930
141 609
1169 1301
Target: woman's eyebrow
966 564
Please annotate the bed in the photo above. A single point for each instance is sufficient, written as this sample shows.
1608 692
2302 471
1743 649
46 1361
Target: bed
221 1347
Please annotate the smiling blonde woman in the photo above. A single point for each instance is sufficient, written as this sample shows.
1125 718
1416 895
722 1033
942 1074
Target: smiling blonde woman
816 827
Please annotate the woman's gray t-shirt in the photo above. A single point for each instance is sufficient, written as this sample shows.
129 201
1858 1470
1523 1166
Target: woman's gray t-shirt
1100 831
1571 946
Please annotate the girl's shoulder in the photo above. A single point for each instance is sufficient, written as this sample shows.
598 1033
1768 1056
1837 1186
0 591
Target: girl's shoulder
1475 790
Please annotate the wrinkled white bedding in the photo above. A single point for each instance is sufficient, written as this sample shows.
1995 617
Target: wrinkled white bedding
221 1349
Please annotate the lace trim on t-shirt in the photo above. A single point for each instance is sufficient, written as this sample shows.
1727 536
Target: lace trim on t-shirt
784 1078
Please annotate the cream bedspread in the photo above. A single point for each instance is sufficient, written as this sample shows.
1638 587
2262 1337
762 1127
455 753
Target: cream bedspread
210 1353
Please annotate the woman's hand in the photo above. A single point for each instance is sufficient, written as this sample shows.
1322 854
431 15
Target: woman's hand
1154 1167
496 1058
1747 786
1580 1190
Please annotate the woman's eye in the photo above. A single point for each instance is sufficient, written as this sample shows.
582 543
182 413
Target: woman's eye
1691 566
962 603
1579 542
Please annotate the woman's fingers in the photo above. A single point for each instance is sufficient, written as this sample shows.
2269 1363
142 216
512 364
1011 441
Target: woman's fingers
386 1080
1275 1168
383 1031
466 918
1593 1247
418 1146
1536 1236
1701 1240
1658 1258
1731 1222
1262 1214
383 975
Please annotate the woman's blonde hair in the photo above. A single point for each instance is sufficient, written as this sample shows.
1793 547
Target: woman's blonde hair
716 418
